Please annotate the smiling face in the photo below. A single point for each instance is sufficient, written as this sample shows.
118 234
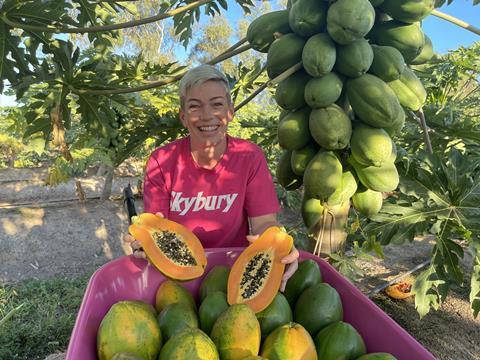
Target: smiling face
206 113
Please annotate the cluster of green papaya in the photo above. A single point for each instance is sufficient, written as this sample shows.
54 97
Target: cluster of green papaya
303 323
348 99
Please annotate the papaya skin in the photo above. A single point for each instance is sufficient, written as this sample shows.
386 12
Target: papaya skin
274 241
143 228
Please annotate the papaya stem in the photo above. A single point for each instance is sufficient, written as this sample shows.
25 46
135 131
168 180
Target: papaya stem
332 225
456 21
110 27
269 83
236 45
318 245
426 136
228 54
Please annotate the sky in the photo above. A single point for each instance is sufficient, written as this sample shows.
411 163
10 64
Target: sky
444 35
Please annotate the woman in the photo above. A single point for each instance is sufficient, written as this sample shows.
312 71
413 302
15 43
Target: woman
216 185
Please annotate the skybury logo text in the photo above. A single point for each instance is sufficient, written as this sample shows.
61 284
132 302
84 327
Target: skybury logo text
196 203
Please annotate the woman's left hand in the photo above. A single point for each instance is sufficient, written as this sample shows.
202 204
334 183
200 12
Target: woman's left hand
291 260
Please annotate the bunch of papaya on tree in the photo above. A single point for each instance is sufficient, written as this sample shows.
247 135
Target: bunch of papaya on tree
345 82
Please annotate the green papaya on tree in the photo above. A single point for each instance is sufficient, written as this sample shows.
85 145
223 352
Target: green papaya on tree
323 175
260 32
373 101
354 59
370 146
293 132
330 127
349 20
409 90
388 63
301 157
408 11
345 191
319 55
406 38
289 94
284 173
426 54
308 17
284 52
379 178
323 91
367 202
312 210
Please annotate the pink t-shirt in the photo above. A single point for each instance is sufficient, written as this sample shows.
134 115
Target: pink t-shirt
215 204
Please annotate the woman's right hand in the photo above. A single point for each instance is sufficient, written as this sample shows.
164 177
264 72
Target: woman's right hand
137 249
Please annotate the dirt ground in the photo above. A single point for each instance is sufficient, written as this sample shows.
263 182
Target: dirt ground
43 233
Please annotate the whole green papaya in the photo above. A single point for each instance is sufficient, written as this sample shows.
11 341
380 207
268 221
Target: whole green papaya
367 202
312 210
319 55
308 17
373 101
370 146
323 91
301 158
339 340
349 20
388 63
289 94
345 191
260 32
293 132
354 59
284 52
330 127
307 274
378 178
426 54
406 38
284 174
409 90
323 175
408 11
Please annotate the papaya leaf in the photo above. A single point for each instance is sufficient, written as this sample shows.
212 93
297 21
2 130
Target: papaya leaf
429 290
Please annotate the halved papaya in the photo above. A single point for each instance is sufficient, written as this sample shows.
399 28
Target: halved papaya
256 275
172 248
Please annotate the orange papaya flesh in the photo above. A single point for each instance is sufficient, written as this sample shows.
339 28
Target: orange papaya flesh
257 273
399 291
172 248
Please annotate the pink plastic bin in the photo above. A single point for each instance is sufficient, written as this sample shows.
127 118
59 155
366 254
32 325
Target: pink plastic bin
128 278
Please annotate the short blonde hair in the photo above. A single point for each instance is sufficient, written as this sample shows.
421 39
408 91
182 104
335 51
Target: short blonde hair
198 76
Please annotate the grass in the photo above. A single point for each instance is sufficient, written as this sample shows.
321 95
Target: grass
37 316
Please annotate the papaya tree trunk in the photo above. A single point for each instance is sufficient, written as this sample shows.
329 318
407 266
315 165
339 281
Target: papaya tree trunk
107 187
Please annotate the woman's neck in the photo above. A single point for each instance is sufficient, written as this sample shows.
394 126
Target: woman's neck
208 156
